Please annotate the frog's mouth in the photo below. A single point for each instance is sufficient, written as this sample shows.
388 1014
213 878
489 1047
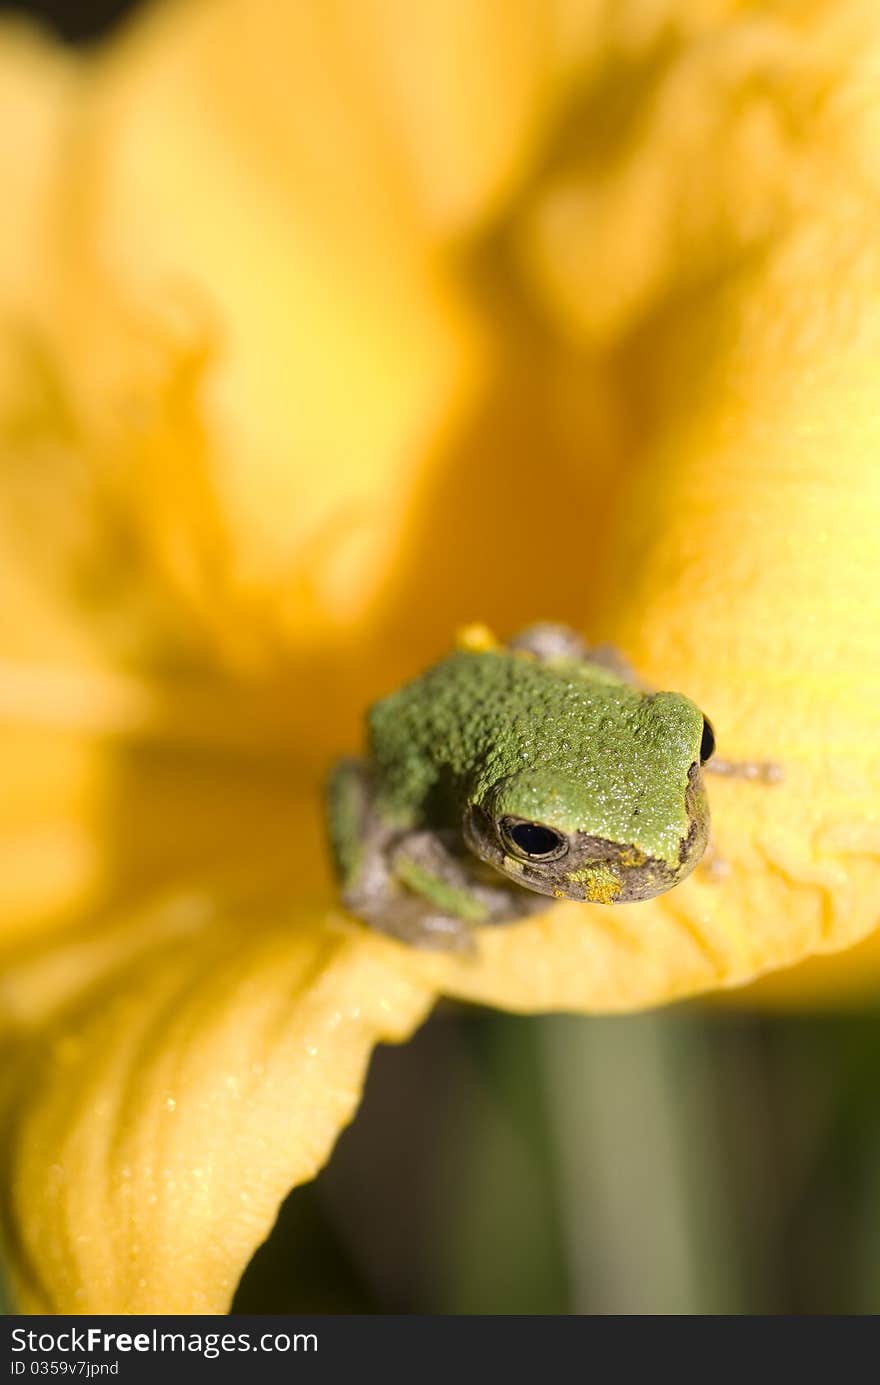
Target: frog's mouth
595 869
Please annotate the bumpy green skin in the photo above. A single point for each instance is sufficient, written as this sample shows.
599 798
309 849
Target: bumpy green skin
568 743
490 738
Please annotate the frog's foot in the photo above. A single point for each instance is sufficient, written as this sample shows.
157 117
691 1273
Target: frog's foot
713 868
756 771
459 884
384 901
410 920
435 899
372 869
606 656
413 886
548 643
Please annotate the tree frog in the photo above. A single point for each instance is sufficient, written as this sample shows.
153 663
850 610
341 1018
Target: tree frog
507 774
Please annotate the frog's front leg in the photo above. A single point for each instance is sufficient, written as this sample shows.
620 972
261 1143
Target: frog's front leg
430 902
409 885
458 891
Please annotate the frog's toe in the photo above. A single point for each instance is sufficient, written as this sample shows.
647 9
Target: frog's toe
408 921
755 771
547 641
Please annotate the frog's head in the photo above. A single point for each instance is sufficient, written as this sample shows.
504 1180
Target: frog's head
617 815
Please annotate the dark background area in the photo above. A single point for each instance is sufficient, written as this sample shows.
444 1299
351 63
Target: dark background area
74 19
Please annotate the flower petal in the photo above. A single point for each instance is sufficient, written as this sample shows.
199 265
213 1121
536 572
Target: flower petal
741 556
461 93
233 181
50 782
37 85
153 1130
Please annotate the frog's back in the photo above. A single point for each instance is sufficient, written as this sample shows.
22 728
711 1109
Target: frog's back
476 715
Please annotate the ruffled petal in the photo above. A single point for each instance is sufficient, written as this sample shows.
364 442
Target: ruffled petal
234 185
153 1128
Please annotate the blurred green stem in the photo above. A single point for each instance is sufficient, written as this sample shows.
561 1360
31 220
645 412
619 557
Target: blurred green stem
646 1213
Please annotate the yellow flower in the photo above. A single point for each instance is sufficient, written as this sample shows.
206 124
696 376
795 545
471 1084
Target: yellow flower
325 329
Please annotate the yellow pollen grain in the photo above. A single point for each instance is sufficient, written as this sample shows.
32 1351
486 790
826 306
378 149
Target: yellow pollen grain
601 885
602 889
476 639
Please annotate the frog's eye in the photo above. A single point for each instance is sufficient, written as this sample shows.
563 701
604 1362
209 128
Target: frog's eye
707 744
532 840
